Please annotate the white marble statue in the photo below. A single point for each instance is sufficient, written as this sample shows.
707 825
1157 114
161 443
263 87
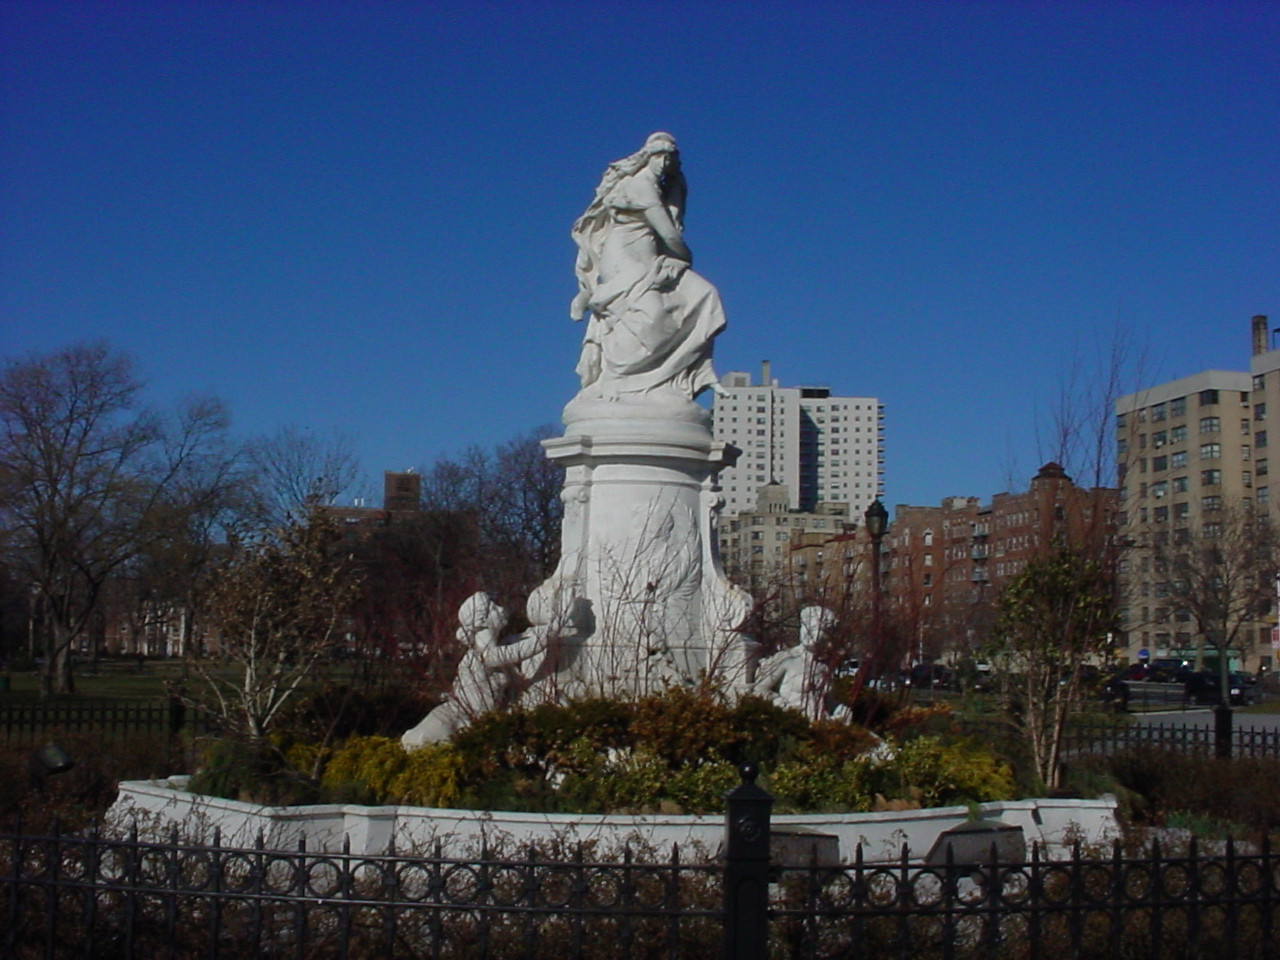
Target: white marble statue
639 600
484 673
652 318
794 677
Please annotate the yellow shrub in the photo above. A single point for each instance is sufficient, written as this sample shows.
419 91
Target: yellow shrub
372 763
432 777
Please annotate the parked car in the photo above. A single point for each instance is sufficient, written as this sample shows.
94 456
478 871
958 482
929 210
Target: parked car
848 668
925 676
1205 687
1145 685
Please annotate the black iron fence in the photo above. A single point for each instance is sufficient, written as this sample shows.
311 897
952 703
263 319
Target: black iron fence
98 896
1190 736
30 720
1157 906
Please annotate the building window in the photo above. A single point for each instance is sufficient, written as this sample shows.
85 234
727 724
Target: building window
1178 459
1259 381
1264 496
1160 514
1245 451
1120 421
1211 531
1178 407
1177 434
1210 504
1210 424
1158 490
1246 478
1260 439
1210 478
1159 438
1178 484
1159 463
1210 451
1180 511
1157 412
1208 398
1261 467
1122 447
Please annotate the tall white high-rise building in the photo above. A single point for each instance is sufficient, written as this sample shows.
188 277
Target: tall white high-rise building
825 449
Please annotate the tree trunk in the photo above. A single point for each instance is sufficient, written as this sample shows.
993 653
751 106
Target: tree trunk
56 676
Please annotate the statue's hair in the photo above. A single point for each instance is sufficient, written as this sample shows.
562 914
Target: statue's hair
596 214
626 167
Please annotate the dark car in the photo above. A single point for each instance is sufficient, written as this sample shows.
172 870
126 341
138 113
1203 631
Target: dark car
1144 686
1205 687
925 676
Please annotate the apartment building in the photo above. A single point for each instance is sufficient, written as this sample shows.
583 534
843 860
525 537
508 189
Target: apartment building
946 565
1193 455
822 448
756 546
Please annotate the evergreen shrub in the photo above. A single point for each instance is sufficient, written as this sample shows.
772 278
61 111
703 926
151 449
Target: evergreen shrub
674 752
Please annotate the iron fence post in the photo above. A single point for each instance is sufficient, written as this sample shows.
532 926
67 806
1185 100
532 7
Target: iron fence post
746 869
1222 731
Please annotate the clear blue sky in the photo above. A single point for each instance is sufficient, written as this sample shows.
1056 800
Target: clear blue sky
354 216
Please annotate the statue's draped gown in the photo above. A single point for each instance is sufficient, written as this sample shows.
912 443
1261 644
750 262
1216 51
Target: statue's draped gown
653 319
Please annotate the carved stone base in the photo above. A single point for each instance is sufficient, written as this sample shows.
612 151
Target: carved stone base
640 588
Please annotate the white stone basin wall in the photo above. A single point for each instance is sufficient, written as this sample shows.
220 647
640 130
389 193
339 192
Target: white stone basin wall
156 805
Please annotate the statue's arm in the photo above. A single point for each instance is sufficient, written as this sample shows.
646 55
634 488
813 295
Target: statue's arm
534 641
659 219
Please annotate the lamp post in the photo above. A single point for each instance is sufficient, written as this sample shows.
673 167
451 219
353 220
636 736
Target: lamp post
877 520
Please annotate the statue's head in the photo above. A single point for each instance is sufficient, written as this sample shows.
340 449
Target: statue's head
813 621
660 142
479 612
660 151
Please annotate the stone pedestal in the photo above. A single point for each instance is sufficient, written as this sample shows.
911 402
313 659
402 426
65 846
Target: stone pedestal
640 566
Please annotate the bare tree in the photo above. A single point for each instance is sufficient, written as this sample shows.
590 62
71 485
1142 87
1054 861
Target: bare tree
1054 614
512 495
298 470
1076 432
1221 576
277 603
87 476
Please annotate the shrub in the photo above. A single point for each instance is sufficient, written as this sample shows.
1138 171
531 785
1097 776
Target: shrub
952 773
1157 785
432 777
824 782
83 793
252 772
363 769
920 772
670 752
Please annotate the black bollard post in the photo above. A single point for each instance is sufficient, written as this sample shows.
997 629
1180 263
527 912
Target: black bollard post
746 869
177 715
1222 731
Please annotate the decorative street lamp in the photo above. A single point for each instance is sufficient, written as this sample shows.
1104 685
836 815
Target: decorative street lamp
877 521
